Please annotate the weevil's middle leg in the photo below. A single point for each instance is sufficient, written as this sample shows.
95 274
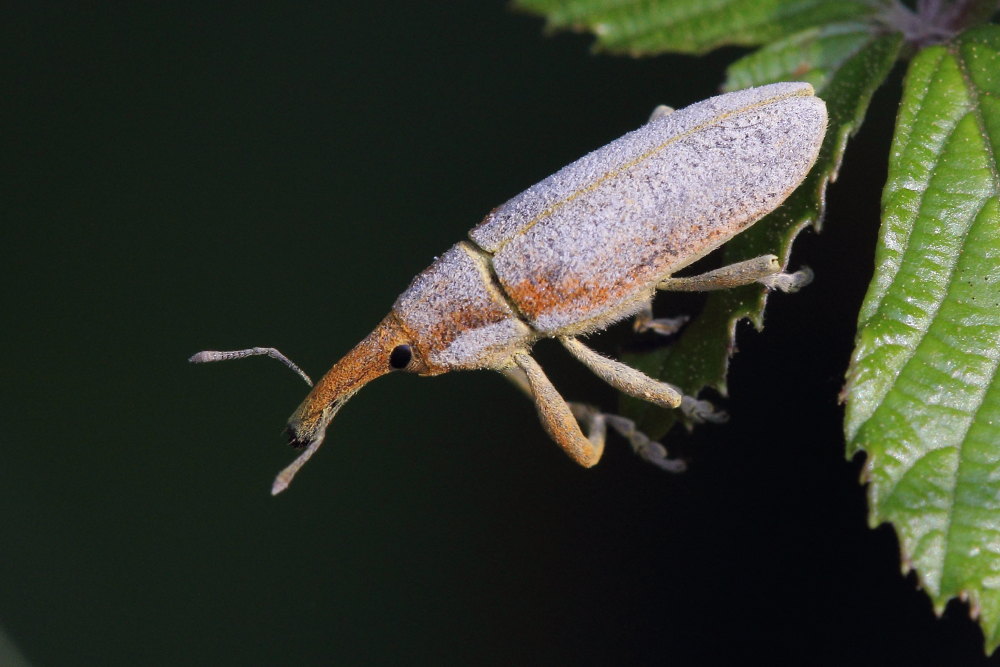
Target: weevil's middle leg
622 377
765 270
635 383
556 416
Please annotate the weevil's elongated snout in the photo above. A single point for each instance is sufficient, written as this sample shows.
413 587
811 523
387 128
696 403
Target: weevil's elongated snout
374 356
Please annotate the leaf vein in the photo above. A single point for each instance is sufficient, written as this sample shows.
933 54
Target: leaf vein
904 244
976 110
911 355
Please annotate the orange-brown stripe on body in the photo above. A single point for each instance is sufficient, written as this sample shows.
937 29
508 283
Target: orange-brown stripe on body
608 282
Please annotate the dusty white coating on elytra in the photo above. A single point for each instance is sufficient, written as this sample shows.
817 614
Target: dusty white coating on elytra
584 247
511 218
457 315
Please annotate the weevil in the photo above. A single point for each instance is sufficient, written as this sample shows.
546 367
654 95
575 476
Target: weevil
584 248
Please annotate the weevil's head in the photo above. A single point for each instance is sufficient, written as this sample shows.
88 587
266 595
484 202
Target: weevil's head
386 349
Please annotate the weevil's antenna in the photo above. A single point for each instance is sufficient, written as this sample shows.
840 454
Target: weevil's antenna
214 355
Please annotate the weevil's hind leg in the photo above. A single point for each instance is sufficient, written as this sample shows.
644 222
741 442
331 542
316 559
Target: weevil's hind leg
639 385
215 355
659 112
556 416
664 326
765 270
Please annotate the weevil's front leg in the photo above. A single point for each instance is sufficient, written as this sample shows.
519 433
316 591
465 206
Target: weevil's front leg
650 450
665 326
587 415
556 416
520 380
636 383
596 425
215 355
765 270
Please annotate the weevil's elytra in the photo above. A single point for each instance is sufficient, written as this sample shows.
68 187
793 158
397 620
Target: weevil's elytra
586 247
649 204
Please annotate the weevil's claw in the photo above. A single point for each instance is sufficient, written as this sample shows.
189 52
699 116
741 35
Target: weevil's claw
700 412
789 282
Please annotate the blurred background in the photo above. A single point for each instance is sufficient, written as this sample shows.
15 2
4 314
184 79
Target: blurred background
179 177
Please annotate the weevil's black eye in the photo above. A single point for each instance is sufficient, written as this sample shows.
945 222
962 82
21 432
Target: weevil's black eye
400 356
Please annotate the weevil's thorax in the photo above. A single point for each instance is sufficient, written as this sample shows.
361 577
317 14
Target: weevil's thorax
456 316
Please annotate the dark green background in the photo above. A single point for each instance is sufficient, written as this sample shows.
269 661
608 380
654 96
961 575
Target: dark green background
177 177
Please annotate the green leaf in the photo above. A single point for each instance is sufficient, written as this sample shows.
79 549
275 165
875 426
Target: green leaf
813 55
923 398
849 65
693 26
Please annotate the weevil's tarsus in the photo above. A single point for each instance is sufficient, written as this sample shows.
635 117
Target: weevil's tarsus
660 111
698 411
206 356
556 416
789 282
663 326
622 377
650 450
